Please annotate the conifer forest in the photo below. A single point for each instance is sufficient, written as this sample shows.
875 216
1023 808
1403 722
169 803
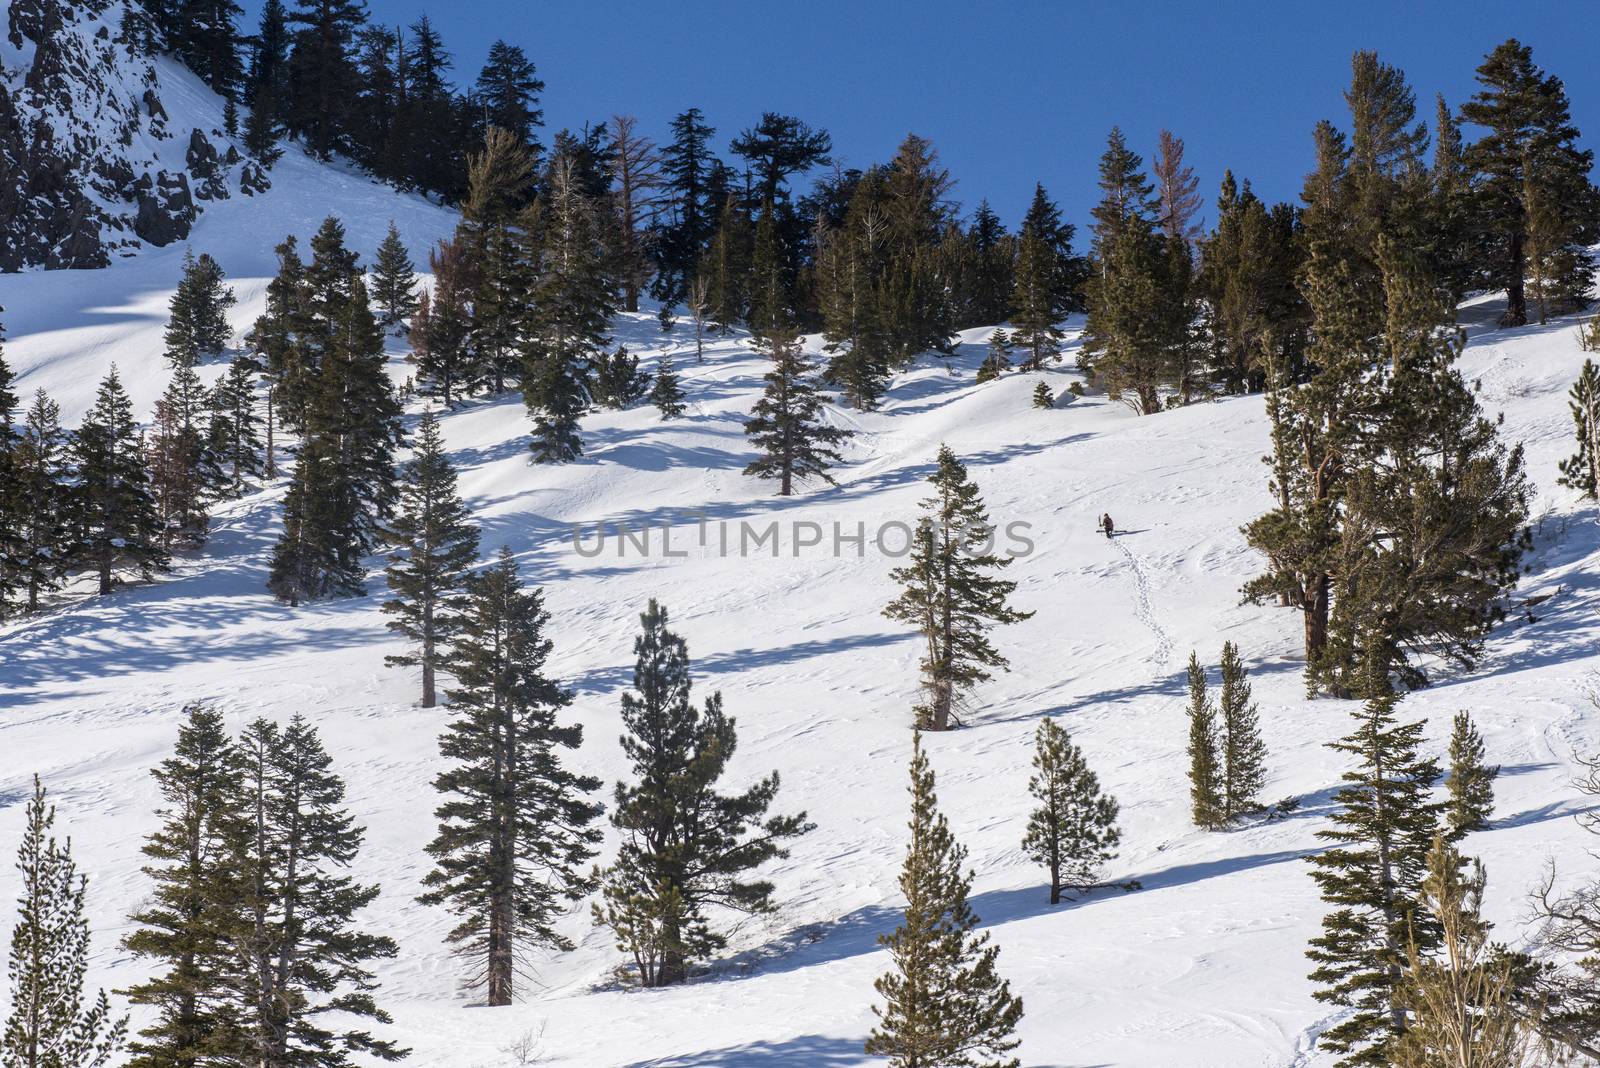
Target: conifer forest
666 590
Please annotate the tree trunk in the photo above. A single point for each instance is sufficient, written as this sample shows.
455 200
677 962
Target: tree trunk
1516 313
1316 619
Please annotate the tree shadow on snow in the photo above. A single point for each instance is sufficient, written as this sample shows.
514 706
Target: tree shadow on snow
802 1051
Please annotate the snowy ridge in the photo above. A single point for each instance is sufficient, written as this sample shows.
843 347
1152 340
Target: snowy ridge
104 148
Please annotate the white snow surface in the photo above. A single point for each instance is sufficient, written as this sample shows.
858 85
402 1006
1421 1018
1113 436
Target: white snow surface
1204 966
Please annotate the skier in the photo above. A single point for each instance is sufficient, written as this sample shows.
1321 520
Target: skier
1105 524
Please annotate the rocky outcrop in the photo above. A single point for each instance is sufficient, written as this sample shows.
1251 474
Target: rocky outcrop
92 164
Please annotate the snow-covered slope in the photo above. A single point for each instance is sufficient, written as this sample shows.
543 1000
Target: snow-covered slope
1202 967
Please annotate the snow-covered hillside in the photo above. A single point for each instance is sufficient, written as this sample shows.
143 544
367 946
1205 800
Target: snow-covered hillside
1202 967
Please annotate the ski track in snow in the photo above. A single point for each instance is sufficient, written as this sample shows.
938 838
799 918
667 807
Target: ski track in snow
1141 607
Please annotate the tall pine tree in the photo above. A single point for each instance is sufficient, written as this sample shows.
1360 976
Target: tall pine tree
685 846
1074 830
951 594
436 544
515 830
787 423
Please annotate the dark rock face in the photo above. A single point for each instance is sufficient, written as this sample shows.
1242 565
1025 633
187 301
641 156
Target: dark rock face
89 167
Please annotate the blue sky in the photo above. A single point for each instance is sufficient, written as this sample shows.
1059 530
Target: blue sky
1013 92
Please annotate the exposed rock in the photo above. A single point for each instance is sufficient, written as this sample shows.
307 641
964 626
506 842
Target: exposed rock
88 166
166 211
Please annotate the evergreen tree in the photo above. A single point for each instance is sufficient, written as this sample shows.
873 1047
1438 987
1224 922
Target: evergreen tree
853 263
436 545
394 280
1471 800
508 90
951 594
1371 876
997 361
1434 504
429 113
343 488
726 265
686 164
40 465
635 195
1528 127
491 253
1243 753
667 394
1045 286
442 324
266 83
1463 1001
51 1025
1042 397
516 828
183 469
234 433
197 327
321 69
780 147
302 963
685 846
1074 831
615 380
184 928
1207 774
1128 335
572 300
787 424
114 511
944 1003
207 41
1582 470
990 282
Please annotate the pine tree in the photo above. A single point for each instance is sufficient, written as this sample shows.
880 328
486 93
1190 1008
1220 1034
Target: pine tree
1043 397
667 394
726 266
114 511
436 545
183 469
51 1025
636 193
508 90
1462 1001
516 829
1528 123
321 108
184 927
343 489
1471 800
951 594
1434 503
686 164
1074 831
1243 753
944 1003
615 380
684 845
997 361
787 423
573 301
1371 876
40 465
1044 289
1206 770
234 433
299 954
1582 470
990 283
443 322
394 280
197 327
266 83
